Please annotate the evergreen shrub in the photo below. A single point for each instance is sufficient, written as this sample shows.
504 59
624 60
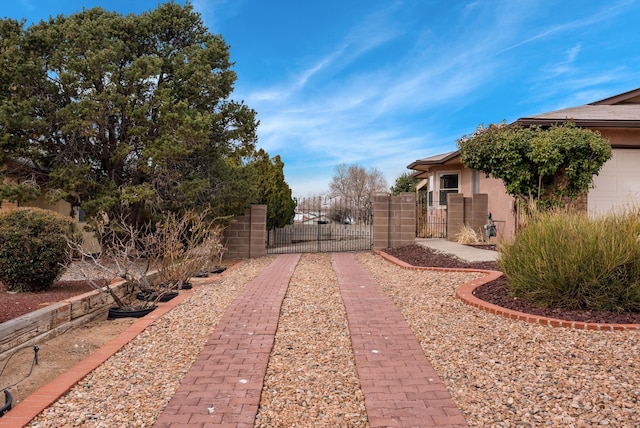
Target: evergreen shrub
572 261
33 248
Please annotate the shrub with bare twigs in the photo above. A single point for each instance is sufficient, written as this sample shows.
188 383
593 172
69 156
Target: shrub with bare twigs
179 246
186 244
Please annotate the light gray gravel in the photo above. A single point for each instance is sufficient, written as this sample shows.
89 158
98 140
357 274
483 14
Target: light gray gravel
501 373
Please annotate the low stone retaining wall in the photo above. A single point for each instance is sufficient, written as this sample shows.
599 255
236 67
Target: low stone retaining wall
58 318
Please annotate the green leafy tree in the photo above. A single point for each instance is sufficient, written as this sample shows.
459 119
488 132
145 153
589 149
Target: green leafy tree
404 183
272 190
128 114
539 165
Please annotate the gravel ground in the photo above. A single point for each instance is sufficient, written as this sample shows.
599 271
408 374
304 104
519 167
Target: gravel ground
311 377
132 388
505 373
501 373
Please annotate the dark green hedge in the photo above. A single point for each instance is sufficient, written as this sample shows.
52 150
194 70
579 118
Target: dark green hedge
33 248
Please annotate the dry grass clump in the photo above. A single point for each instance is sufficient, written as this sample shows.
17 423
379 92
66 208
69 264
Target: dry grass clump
467 235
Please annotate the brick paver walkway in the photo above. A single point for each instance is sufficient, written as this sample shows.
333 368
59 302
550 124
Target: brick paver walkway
400 386
223 386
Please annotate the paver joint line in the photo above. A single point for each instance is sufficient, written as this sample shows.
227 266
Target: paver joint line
388 355
244 333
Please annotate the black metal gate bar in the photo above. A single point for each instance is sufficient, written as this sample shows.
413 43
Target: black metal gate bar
325 225
431 218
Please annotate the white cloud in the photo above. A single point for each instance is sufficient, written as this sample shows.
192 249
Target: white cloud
356 121
340 109
572 53
589 21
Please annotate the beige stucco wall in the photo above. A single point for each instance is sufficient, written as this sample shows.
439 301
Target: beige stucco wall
621 137
89 241
61 207
501 206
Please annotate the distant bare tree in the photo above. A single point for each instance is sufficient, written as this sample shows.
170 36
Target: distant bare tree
310 204
355 186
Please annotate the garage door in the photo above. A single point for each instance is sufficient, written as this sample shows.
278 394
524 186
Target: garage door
618 184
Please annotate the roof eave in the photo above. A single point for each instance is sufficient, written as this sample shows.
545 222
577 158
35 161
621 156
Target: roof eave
414 164
586 123
620 98
423 162
420 174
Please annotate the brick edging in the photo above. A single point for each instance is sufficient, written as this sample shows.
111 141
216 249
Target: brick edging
465 293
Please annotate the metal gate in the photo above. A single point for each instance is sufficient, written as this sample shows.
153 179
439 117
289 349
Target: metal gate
325 225
431 216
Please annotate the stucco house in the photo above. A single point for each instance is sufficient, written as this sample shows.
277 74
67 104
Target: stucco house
617 118
20 170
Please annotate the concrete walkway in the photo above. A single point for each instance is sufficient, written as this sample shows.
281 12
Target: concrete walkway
464 252
400 386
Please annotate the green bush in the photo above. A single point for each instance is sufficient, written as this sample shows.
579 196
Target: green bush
572 261
33 248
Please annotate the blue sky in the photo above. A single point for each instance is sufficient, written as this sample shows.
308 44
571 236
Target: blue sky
381 83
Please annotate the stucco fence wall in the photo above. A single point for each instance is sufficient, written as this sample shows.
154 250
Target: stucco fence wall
468 211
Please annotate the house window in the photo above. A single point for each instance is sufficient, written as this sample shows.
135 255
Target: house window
448 184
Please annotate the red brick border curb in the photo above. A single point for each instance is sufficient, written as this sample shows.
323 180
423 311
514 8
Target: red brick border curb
465 293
